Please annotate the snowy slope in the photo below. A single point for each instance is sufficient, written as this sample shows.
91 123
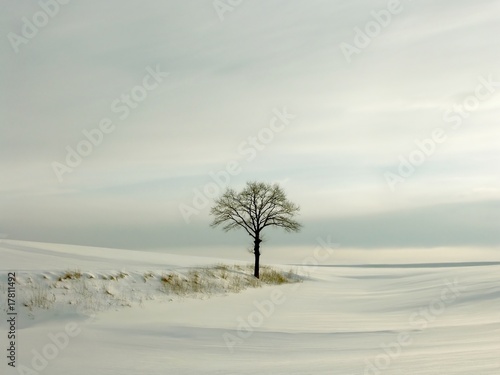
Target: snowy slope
436 318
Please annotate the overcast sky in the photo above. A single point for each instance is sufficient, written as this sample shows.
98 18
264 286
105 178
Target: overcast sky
326 98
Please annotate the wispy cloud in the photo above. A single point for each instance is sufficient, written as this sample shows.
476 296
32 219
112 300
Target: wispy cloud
225 80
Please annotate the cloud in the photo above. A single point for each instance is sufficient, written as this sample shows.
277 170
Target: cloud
353 122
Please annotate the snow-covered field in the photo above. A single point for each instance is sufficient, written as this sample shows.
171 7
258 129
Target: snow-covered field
413 318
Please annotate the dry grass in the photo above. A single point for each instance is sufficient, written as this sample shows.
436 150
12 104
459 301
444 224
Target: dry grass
174 283
271 276
91 293
39 297
223 278
70 275
121 275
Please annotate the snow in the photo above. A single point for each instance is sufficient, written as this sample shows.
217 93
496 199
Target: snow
389 318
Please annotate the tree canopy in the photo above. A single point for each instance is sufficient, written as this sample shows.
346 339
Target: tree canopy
257 206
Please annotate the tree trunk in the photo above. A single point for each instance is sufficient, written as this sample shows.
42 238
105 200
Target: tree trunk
256 251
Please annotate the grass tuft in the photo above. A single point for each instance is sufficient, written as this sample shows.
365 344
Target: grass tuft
70 275
223 278
272 276
39 297
173 283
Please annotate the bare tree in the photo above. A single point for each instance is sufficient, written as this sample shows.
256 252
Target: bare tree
256 207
